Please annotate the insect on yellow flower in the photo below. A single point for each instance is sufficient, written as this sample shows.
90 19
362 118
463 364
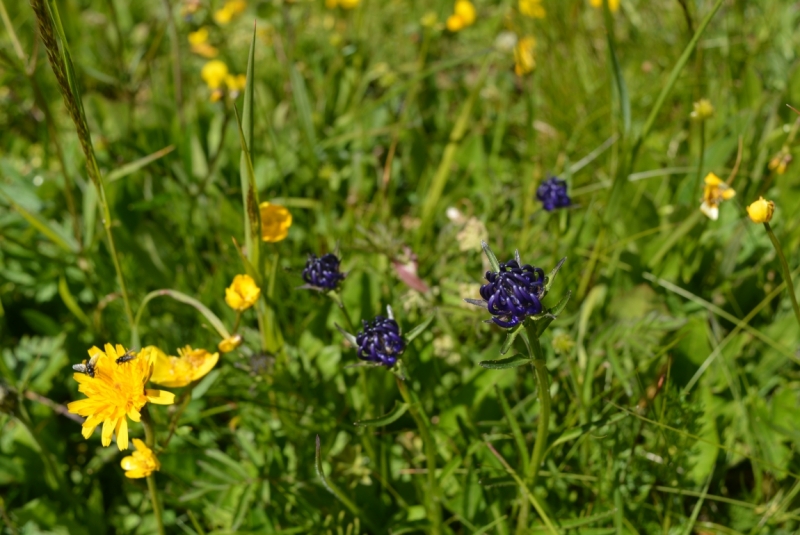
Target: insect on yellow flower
463 15
230 343
141 463
191 365
714 193
761 210
242 293
115 392
524 60
275 222
532 8
214 73
613 5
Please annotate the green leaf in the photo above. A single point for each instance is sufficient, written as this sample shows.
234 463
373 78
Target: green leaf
222 458
303 105
333 489
212 318
69 300
252 221
552 314
202 387
552 275
490 255
132 167
419 329
502 364
390 417
510 337
41 225
519 438
349 337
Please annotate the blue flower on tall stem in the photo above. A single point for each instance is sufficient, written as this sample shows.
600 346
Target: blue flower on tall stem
380 341
553 194
322 273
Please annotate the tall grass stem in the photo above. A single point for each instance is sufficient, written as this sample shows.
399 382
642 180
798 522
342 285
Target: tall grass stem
787 273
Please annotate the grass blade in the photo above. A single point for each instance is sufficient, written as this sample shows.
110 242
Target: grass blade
513 361
392 416
252 222
333 489
519 438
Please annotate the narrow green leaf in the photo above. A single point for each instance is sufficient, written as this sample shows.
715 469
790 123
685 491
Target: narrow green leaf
41 225
333 489
349 337
132 167
234 465
553 313
552 275
212 318
243 507
252 225
390 417
510 337
303 105
519 438
218 473
511 362
69 300
419 329
490 255
575 432
202 387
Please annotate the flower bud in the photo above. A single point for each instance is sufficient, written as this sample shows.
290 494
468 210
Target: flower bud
761 211
230 343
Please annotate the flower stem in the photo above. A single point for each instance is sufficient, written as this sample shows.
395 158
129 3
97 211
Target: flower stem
150 440
787 274
431 490
699 179
543 426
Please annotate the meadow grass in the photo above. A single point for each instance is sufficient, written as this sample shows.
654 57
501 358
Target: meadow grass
660 396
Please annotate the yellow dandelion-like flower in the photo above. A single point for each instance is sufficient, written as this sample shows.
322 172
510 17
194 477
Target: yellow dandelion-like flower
613 5
142 463
116 392
230 343
524 60
532 8
214 73
191 365
714 193
275 222
242 293
761 210
464 15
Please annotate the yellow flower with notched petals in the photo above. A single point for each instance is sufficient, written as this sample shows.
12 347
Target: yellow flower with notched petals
532 8
142 463
242 293
714 193
214 73
613 5
275 222
463 15
524 60
176 372
230 343
116 392
761 211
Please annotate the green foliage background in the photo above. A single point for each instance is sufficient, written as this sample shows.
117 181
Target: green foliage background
353 113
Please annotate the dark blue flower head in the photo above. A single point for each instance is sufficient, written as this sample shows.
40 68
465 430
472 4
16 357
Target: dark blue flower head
380 341
513 293
553 194
322 272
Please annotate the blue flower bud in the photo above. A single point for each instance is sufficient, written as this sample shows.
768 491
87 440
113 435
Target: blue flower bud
323 273
380 341
553 194
513 293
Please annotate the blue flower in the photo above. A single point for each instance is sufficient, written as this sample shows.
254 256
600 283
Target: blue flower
322 273
553 194
380 341
513 293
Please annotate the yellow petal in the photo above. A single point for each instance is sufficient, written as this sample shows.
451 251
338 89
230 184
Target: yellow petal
87 431
134 415
122 434
160 397
139 444
713 180
728 194
108 431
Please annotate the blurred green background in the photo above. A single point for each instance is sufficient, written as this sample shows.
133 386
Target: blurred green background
674 367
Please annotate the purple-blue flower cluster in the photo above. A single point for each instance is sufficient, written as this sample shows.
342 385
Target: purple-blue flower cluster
553 194
323 272
513 293
380 341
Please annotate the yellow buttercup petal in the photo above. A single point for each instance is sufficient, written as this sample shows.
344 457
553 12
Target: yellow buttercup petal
275 222
141 463
242 293
160 397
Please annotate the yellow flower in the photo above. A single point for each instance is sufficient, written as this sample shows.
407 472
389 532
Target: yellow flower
463 15
348 4
142 463
214 73
331 4
115 392
275 222
532 8
199 43
761 211
236 83
714 193
703 109
180 371
229 11
242 293
230 343
524 61
613 5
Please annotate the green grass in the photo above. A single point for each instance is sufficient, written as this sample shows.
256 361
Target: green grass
673 369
